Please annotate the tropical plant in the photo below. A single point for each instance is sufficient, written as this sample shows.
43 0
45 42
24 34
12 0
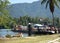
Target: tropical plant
52 4
4 13
3 5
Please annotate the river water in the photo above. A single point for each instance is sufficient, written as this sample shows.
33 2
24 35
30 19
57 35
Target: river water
4 32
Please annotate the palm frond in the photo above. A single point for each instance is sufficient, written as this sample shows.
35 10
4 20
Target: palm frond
47 3
58 0
44 1
56 3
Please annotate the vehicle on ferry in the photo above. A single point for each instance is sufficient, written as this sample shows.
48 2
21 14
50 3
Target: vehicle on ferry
45 28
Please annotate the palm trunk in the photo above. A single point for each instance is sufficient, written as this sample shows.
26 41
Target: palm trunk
53 19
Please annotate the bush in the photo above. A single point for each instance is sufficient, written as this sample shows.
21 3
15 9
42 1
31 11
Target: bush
8 36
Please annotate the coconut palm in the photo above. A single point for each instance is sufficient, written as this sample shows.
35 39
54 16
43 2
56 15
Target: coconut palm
4 13
52 4
3 5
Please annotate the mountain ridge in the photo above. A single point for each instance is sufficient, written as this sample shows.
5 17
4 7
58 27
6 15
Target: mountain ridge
32 9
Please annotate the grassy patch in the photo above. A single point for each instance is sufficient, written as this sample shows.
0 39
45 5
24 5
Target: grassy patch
35 39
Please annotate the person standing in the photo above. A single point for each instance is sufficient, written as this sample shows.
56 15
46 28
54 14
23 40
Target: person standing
29 29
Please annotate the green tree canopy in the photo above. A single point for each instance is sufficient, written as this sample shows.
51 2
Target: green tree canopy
4 13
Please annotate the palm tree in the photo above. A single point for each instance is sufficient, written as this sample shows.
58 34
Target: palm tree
3 5
4 14
52 4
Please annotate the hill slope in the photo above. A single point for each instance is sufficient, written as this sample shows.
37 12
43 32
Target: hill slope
31 9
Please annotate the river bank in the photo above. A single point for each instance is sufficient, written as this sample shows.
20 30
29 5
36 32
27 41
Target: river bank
32 39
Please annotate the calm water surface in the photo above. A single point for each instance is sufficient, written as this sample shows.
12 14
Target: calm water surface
4 32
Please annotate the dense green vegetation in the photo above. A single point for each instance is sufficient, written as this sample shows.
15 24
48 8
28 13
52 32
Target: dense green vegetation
24 20
9 22
5 18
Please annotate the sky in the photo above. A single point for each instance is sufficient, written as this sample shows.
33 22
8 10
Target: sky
22 1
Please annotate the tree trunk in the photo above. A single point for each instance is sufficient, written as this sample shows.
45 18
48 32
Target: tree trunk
53 20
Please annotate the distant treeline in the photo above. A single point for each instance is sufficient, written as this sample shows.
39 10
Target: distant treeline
9 22
24 20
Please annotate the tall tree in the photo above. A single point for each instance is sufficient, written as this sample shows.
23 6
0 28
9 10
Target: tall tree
4 14
52 4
